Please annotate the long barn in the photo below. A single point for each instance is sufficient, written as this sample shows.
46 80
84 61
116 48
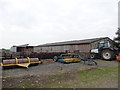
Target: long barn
71 46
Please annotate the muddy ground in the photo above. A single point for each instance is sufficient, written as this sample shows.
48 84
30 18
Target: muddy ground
42 75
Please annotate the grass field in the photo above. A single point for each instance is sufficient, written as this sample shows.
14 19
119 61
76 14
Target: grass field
94 78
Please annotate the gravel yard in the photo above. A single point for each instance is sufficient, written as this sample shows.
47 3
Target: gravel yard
49 69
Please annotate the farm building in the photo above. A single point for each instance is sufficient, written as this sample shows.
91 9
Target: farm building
83 46
22 49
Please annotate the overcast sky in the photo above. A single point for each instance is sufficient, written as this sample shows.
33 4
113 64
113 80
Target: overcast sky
38 22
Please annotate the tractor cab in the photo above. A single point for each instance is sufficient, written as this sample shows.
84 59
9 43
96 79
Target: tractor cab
104 44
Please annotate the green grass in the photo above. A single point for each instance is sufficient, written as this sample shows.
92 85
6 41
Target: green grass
26 85
97 74
82 79
94 78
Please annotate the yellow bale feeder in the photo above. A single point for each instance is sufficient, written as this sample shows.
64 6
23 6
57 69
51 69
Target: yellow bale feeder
20 62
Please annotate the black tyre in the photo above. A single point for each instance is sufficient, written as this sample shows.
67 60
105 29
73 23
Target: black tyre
55 58
93 56
107 55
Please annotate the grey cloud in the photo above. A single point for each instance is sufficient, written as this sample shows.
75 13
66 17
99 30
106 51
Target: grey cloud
42 21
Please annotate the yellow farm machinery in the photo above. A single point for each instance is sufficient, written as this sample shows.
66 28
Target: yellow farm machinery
24 62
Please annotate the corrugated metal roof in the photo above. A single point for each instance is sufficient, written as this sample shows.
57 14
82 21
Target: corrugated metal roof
85 41
25 45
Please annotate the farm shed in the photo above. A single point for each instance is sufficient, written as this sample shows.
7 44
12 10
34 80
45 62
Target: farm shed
22 49
82 46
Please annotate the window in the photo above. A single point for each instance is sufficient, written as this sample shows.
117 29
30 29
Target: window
104 44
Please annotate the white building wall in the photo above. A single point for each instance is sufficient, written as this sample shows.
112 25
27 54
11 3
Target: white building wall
13 49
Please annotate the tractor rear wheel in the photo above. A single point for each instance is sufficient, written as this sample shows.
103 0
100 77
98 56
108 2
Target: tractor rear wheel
107 55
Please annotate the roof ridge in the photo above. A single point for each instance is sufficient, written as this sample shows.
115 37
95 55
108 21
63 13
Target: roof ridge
74 41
